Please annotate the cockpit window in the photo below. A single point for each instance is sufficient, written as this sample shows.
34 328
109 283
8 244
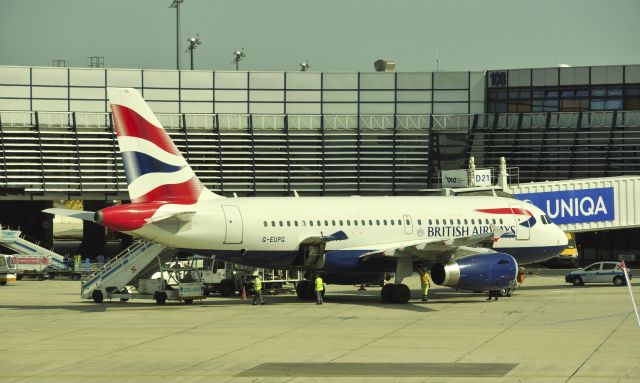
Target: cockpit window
503 262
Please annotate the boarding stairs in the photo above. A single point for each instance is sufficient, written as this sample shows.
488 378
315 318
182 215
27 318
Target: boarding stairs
139 260
12 239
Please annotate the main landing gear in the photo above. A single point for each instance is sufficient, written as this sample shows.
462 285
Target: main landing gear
398 292
306 290
395 293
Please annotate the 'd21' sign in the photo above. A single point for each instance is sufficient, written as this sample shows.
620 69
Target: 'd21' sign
574 206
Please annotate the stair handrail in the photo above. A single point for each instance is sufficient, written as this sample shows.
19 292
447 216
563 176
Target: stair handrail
119 257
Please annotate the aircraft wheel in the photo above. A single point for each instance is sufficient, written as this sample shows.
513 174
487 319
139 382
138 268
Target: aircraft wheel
401 294
386 293
97 296
505 292
304 289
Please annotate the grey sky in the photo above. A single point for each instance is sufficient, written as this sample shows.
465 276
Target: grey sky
335 35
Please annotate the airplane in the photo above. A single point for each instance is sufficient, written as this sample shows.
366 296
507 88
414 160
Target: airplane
469 243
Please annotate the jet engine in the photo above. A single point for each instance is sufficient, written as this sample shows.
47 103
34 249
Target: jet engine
476 272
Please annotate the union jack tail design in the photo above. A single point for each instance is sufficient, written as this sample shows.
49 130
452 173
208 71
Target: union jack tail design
155 169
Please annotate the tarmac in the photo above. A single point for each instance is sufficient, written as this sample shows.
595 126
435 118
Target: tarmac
548 331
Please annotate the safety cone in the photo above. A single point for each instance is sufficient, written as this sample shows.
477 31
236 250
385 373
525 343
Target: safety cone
244 294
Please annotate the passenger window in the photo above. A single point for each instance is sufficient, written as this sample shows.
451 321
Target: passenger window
370 222
473 222
430 223
384 221
288 223
399 222
458 221
333 222
341 223
265 224
318 222
437 222
419 222
304 223
408 222
348 222
392 222
310 223
501 221
295 223
486 221
326 223
465 221
494 221
451 222
280 223
273 223
355 222
363 223
377 222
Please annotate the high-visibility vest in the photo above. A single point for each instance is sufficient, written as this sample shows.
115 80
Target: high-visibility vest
257 284
424 278
319 284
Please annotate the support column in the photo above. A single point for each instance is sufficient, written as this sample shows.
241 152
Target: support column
93 235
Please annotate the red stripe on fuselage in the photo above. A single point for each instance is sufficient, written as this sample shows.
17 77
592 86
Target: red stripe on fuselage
506 210
129 123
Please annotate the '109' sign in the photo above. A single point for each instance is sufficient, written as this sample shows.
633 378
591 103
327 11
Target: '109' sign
574 206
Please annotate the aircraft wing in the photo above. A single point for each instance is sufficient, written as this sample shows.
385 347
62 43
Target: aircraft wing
436 250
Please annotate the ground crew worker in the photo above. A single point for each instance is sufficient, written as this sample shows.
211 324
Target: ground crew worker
424 283
257 289
319 288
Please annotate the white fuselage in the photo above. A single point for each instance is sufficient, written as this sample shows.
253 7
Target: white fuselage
275 226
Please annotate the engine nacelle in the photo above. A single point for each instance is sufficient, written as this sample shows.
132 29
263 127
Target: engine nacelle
476 272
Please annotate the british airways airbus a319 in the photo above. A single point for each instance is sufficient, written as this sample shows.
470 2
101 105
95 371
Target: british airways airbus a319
472 243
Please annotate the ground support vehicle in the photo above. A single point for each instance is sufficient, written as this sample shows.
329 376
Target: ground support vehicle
599 272
568 257
7 269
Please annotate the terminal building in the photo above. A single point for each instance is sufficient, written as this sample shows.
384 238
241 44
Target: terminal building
320 133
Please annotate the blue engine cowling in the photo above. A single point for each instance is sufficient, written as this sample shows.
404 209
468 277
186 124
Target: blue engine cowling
476 272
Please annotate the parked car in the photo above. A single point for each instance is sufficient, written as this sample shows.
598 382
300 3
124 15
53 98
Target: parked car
599 272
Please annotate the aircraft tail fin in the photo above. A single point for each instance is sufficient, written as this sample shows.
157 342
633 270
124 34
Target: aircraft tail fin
155 169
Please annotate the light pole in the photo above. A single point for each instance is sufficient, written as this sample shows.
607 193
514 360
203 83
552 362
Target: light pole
176 4
238 55
193 44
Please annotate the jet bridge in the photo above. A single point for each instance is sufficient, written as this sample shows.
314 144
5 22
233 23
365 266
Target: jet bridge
137 262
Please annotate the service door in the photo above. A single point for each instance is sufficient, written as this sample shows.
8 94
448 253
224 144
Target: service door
522 222
233 220
408 224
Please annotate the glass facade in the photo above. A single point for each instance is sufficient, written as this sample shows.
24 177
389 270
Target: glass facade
563 89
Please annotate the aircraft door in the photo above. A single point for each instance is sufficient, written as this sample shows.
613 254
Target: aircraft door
233 221
408 224
522 228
